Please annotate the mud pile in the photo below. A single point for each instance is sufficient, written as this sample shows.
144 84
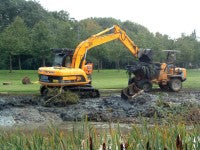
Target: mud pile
145 70
28 110
111 108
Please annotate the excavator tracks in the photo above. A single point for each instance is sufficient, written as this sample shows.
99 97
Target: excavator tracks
86 91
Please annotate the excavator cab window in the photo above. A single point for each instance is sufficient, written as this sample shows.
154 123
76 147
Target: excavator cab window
58 59
63 57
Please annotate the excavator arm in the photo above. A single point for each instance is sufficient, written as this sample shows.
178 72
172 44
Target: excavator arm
101 38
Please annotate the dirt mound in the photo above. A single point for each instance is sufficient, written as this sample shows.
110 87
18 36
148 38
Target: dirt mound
26 80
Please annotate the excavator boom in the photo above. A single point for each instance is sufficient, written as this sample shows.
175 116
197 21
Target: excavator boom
101 38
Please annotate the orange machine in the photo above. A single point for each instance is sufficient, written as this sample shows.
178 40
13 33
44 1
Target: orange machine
170 76
144 74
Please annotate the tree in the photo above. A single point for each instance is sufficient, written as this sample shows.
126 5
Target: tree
21 33
63 33
15 40
41 40
189 50
8 11
61 15
32 12
57 29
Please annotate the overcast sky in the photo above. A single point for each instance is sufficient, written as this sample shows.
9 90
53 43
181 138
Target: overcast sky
171 17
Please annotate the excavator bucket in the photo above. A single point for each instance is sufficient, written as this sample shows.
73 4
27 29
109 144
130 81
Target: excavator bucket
130 92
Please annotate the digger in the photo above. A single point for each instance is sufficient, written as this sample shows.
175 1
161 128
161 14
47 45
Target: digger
70 70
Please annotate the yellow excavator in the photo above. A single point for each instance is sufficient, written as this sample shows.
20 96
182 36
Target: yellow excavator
70 70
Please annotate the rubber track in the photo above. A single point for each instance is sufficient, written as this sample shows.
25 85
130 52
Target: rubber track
84 91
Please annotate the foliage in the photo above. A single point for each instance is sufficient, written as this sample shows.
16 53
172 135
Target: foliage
57 30
41 41
15 40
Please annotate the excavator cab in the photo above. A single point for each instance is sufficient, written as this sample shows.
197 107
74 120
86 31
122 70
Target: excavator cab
63 57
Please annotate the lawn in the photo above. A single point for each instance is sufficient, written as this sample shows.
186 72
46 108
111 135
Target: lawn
105 79
16 81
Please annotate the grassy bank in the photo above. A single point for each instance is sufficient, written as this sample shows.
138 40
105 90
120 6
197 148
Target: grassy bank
105 79
88 137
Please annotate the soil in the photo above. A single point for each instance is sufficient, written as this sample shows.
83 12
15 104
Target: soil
27 110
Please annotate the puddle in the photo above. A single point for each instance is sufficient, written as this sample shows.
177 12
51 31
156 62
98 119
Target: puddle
6 121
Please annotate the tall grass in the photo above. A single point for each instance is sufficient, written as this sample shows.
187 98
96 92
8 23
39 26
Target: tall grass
157 137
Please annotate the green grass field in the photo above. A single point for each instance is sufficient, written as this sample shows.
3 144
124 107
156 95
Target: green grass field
105 79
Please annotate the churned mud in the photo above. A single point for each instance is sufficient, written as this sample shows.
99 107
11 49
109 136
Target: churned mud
28 110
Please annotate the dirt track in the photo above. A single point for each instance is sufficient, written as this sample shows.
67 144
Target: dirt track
27 110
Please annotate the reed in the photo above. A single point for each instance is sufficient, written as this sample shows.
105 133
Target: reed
163 137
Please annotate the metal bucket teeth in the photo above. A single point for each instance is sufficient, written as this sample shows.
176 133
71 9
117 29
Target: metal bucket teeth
130 92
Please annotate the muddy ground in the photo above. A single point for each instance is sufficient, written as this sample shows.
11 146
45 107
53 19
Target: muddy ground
27 110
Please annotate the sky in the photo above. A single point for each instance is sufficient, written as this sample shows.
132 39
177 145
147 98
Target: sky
171 17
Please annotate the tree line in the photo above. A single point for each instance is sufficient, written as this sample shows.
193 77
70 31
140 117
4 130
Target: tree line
28 32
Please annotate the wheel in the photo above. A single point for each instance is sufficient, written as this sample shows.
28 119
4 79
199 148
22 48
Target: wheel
145 85
175 84
43 91
164 87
